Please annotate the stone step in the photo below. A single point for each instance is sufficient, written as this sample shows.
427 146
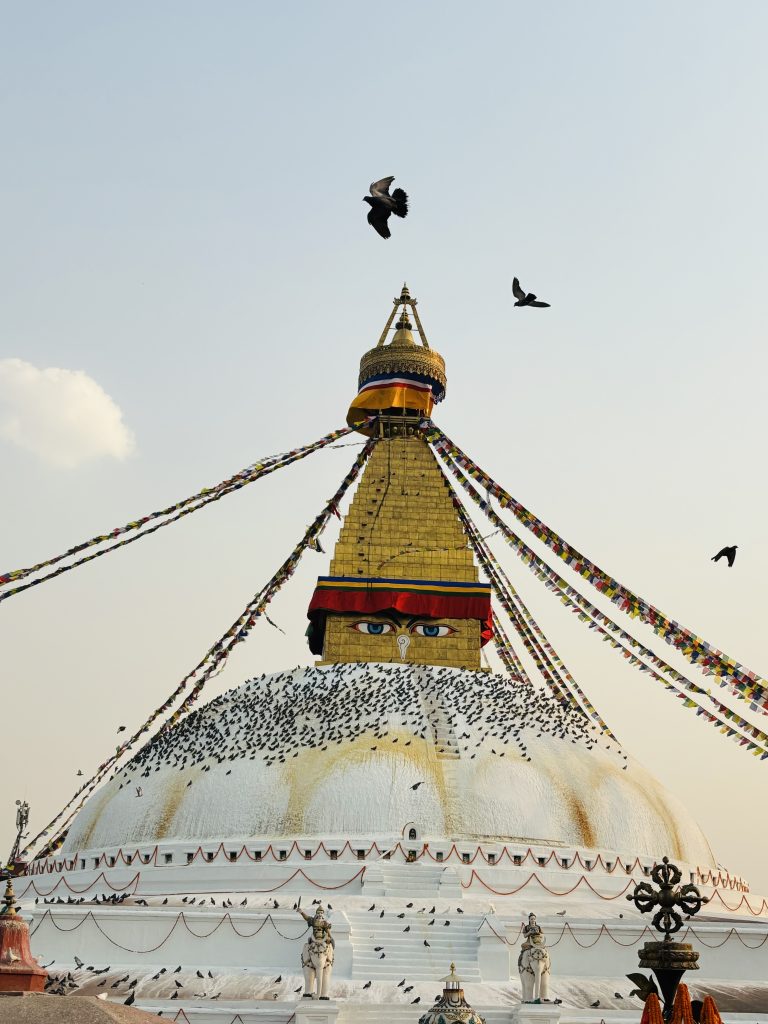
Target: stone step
396 929
423 889
414 972
399 934
415 949
394 962
406 954
428 972
411 940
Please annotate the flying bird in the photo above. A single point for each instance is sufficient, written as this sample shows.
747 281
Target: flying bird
729 553
525 298
416 785
644 985
382 204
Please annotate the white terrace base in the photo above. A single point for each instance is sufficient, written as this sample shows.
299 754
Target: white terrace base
316 1011
536 1013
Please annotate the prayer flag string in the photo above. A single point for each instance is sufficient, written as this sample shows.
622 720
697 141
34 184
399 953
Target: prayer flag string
606 628
138 528
509 598
537 654
742 682
508 654
210 664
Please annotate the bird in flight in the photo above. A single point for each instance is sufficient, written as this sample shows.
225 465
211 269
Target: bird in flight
382 204
525 298
729 553
644 985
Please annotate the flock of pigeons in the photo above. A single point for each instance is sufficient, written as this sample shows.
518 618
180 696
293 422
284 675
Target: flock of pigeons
275 717
183 983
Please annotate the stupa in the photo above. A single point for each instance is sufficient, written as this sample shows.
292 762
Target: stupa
427 801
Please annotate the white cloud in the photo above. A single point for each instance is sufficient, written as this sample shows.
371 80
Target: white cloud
62 416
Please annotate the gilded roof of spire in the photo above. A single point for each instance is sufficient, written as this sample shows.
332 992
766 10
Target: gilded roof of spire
403 354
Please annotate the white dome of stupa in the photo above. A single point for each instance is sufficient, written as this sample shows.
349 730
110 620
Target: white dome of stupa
362 750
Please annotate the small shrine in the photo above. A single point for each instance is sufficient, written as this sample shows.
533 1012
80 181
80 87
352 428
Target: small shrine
19 971
451 1006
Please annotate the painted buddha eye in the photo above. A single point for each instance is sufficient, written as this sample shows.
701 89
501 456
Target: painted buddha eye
431 629
373 628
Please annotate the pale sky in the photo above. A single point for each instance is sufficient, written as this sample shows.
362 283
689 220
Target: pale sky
187 282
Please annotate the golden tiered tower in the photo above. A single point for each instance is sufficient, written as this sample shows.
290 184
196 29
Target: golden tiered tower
403 584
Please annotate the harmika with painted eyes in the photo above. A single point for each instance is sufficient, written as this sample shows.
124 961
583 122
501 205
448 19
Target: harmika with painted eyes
402 628
414 625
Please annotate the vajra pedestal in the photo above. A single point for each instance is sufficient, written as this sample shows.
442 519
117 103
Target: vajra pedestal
667 959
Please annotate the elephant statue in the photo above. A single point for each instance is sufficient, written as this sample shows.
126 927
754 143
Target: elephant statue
534 964
317 956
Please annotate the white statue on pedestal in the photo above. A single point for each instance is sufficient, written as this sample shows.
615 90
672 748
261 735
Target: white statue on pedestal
534 964
317 956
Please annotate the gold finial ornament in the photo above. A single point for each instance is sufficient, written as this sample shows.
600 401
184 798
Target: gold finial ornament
403 376
9 900
451 1007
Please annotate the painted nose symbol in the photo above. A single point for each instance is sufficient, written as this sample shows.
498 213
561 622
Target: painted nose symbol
403 643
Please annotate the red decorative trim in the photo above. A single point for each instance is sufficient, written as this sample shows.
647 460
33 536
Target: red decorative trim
617 863
409 602
180 919
605 930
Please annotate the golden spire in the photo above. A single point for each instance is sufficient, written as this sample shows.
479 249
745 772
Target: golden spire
403 355
403 584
